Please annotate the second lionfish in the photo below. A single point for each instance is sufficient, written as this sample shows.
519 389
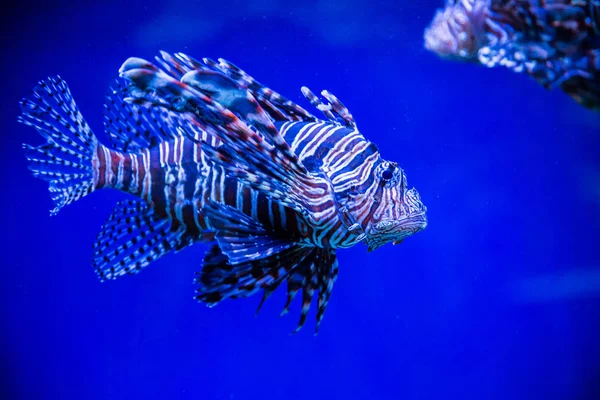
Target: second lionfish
213 156
556 42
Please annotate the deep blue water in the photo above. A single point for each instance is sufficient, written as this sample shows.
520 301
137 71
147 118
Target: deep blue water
497 299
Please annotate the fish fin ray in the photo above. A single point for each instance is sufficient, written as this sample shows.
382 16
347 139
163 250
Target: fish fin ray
133 127
306 269
334 110
265 155
65 160
232 84
278 107
208 95
303 192
133 237
241 238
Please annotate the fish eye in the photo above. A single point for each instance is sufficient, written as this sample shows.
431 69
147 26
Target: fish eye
387 174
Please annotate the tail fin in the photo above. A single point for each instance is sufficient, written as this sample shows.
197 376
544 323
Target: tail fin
65 160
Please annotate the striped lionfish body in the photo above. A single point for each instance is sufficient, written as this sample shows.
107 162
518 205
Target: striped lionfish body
213 156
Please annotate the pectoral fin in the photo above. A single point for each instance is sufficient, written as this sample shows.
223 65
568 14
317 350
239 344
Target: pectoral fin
304 269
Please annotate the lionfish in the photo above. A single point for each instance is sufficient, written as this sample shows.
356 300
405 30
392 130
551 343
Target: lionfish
213 156
556 42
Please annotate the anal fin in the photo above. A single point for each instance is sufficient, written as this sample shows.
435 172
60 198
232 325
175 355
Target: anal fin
132 238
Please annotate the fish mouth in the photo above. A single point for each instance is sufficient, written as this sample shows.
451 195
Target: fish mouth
408 225
395 230
412 225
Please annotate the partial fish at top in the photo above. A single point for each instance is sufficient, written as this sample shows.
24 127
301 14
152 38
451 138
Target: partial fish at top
556 42
213 156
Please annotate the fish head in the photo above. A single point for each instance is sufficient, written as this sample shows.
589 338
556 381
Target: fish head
398 211
457 32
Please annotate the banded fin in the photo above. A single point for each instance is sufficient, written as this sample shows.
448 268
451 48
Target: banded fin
132 127
172 66
200 93
303 268
133 237
65 161
277 107
236 91
304 192
241 238
333 110
151 86
263 161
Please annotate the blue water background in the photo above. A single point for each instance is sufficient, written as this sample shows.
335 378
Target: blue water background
497 299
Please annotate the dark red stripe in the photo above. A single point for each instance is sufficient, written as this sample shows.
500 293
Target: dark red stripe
99 167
